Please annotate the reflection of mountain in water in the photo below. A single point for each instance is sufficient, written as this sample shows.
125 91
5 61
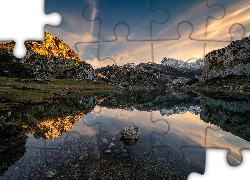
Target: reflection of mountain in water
12 143
231 116
53 128
152 100
176 110
52 120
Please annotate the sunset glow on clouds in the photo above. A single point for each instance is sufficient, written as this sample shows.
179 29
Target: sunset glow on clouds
188 126
75 28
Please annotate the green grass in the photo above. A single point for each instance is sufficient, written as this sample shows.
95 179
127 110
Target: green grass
15 92
232 86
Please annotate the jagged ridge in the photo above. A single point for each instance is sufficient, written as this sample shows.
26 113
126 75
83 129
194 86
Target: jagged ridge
233 59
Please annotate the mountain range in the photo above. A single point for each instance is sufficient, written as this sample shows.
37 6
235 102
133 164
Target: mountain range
188 66
53 58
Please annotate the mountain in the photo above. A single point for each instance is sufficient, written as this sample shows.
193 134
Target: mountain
51 47
144 74
231 60
44 59
179 64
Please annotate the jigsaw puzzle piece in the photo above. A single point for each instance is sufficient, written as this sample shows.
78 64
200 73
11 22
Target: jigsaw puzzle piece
183 49
33 30
231 116
90 53
226 140
217 167
32 161
118 52
12 151
187 131
179 12
237 32
73 27
140 24
193 161
111 142
237 14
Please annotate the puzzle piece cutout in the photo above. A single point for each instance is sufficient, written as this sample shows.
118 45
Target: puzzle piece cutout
33 30
140 26
54 146
221 30
189 12
105 50
234 144
176 48
79 29
217 166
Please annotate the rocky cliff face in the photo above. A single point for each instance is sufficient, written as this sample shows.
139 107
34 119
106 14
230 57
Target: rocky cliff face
233 59
44 59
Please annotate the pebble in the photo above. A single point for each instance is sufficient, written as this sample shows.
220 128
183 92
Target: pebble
111 146
50 174
123 150
85 157
108 151
105 141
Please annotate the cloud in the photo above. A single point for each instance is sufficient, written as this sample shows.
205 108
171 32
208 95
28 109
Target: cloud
93 15
123 51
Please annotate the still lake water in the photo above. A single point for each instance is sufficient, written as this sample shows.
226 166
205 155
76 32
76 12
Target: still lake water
79 138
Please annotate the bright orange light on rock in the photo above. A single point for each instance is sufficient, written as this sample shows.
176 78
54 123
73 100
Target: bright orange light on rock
52 47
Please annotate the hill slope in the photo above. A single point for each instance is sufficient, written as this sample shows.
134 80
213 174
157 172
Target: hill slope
44 59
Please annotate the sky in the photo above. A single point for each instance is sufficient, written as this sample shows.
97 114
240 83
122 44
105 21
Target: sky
118 32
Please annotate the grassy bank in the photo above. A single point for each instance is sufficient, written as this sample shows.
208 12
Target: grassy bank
16 92
230 86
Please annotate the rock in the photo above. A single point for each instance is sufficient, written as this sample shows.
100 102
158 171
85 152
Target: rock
130 132
108 151
130 136
123 150
50 174
128 142
105 141
111 146
84 157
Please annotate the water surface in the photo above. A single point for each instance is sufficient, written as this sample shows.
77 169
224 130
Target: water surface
79 138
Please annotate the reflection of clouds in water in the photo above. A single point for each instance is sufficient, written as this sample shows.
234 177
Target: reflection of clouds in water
226 140
182 125
184 129
115 117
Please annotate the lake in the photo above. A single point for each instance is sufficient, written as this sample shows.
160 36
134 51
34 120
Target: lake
79 138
